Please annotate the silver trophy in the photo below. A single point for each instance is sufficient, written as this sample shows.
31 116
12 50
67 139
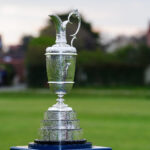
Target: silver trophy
60 129
60 122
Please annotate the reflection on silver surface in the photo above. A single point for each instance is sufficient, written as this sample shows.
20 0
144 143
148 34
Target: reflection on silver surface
60 72
60 126
64 115
65 134
65 124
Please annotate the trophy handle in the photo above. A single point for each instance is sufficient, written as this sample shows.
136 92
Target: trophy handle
61 26
76 14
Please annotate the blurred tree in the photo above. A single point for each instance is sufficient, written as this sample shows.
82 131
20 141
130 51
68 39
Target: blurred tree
137 55
35 61
1 46
7 73
127 54
86 38
25 42
143 54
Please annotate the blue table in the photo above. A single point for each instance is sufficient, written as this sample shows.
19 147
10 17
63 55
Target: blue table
34 146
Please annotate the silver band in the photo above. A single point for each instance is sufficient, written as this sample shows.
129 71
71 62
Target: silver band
60 82
60 53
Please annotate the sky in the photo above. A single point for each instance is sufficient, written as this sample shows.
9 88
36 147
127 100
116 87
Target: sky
111 17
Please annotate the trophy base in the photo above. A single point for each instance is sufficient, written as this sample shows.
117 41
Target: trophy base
85 146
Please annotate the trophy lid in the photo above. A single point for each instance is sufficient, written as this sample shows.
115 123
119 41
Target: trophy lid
61 45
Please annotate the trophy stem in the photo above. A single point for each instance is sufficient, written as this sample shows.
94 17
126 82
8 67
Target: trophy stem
60 106
60 98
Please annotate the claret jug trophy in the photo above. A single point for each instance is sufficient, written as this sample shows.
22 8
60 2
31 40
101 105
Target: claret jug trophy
60 123
60 127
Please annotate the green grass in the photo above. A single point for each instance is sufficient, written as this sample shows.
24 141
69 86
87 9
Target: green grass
116 118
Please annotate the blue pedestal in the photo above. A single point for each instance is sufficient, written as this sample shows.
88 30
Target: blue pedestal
93 148
34 146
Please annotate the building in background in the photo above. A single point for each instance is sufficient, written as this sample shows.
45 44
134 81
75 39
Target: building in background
122 41
119 42
14 59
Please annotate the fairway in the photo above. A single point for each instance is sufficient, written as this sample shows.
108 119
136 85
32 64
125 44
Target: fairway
109 117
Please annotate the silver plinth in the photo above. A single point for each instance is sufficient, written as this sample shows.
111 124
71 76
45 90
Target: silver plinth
60 126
